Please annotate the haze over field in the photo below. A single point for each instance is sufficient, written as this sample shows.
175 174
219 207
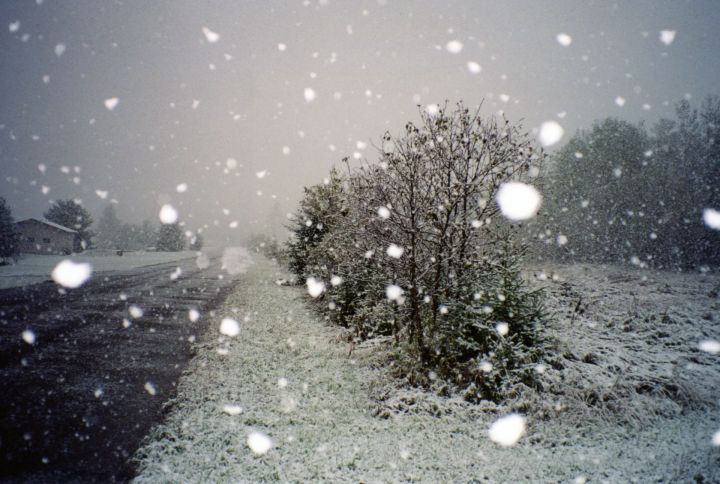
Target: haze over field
245 103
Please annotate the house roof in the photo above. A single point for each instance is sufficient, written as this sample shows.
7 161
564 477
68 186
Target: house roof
51 224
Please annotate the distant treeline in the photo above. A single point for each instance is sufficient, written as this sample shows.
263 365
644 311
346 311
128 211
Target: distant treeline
112 233
619 192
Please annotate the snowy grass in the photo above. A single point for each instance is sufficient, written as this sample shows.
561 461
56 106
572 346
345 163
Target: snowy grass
34 268
335 417
626 343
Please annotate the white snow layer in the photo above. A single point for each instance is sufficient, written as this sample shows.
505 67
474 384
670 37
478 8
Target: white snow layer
340 420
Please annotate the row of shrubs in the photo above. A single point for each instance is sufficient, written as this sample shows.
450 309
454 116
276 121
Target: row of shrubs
413 247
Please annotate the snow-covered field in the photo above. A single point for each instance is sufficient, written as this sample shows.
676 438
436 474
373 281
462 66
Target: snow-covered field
33 268
628 395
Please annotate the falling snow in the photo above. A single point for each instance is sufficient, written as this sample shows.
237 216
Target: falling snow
259 443
474 67
518 201
393 292
211 36
135 311
395 251
432 109
710 346
28 336
150 388
454 46
111 103
667 36
550 133
71 274
142 150
168 214
229 327
563 39
711 217
507 430
232 409
315 287
309 94
193 315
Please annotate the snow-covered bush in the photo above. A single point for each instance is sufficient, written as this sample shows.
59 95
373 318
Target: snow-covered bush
321 205
414 247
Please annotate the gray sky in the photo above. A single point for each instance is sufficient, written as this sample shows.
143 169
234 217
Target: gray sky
369 62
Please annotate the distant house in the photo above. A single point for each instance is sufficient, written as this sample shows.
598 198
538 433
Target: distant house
44 237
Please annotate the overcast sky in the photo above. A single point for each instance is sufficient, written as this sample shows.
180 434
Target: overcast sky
186 104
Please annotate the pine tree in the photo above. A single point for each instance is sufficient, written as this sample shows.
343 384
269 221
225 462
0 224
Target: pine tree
170 238
9 238
72 215
109 229
148 235
319 207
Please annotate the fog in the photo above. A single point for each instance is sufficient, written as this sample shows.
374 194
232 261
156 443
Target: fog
287 89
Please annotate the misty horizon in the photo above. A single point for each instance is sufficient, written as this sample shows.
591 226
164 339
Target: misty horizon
125 101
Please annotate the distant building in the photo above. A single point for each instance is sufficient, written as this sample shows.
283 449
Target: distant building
44 237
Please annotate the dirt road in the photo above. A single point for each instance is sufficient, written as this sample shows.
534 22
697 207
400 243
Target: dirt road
75 405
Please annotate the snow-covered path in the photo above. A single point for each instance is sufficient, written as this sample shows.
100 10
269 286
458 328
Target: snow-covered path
296 383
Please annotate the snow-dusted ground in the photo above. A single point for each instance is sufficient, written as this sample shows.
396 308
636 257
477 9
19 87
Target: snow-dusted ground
34 268
629 397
